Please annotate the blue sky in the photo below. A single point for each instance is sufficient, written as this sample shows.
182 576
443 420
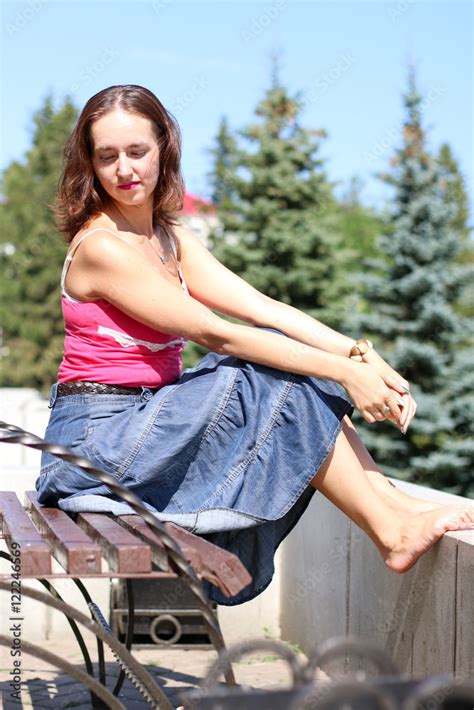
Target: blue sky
208 59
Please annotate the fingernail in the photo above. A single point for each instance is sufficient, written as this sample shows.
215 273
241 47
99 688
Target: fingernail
405 389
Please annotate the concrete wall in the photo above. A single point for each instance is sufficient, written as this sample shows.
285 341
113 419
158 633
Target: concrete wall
334 582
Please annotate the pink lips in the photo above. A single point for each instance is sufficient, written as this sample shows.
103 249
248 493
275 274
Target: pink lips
128 186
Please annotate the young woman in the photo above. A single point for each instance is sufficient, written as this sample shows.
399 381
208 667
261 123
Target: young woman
235 447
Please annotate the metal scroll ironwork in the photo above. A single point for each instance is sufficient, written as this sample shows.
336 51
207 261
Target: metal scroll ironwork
387 691
10 433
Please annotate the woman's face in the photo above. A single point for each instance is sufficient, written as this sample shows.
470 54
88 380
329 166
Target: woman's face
125 156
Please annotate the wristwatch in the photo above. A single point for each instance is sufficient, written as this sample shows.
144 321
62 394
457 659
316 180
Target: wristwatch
362 345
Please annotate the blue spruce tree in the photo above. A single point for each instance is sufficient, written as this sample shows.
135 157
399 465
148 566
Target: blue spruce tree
411 293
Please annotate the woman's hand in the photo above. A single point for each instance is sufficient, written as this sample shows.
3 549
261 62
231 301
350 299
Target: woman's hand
394 380
409 409
370 393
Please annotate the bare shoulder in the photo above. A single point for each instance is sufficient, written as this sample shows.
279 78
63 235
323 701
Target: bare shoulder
97 239
184 233
191 245
98 260
91 225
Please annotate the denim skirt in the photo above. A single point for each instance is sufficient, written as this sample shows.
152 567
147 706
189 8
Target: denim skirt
227 451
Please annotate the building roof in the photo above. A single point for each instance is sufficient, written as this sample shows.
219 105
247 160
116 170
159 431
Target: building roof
194 205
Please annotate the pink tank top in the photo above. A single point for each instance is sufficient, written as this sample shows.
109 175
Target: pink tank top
103 344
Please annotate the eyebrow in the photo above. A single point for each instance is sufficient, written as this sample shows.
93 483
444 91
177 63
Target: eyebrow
132 145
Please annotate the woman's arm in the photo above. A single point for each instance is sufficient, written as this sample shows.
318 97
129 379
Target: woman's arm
115 271
213 284
305 328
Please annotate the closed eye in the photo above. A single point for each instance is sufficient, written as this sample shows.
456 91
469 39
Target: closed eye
111 157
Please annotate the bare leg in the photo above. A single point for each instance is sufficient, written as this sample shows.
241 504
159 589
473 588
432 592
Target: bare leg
398 500
400 540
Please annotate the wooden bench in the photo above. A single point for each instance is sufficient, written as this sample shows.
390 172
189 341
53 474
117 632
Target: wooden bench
82 542
99 545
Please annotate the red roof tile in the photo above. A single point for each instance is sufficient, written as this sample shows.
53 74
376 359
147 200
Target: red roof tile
194 205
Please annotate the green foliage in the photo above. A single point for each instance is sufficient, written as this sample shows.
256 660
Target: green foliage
359 227
455 195
279 229
223 167
413 291
32 253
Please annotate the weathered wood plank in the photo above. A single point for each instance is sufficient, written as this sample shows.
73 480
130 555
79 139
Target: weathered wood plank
464 651
70 545
434 626
379 602
214 564
35 553
137 525
219 566
411 615
314 576
123 550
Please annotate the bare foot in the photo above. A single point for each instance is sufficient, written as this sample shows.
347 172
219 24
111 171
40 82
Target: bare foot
405 504
410 506
420 532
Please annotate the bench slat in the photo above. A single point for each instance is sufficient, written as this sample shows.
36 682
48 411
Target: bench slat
70 545
125 542
222 568
138 527
35 554
123 551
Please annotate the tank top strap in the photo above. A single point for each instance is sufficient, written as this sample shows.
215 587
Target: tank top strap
68 259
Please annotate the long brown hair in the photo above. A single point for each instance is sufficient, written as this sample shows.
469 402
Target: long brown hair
81 196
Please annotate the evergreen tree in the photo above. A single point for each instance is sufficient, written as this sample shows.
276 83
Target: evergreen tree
32 254
412 291
278 231
222 194
454 192
359 225
455 195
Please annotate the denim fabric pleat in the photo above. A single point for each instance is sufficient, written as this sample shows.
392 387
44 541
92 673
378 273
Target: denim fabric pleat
228 451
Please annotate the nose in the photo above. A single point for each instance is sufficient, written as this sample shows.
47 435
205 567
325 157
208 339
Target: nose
123 168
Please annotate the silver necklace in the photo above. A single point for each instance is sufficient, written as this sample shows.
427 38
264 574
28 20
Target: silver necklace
163 257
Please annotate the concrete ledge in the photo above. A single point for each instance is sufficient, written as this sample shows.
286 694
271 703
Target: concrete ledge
334 582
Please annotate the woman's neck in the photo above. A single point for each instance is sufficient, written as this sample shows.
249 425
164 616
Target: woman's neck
137 219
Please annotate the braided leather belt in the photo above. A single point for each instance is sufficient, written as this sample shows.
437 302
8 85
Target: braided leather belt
66 388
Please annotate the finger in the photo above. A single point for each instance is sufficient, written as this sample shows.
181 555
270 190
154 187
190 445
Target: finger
409 415
368 417
397 383
394 401
390 409
378 415
405 410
